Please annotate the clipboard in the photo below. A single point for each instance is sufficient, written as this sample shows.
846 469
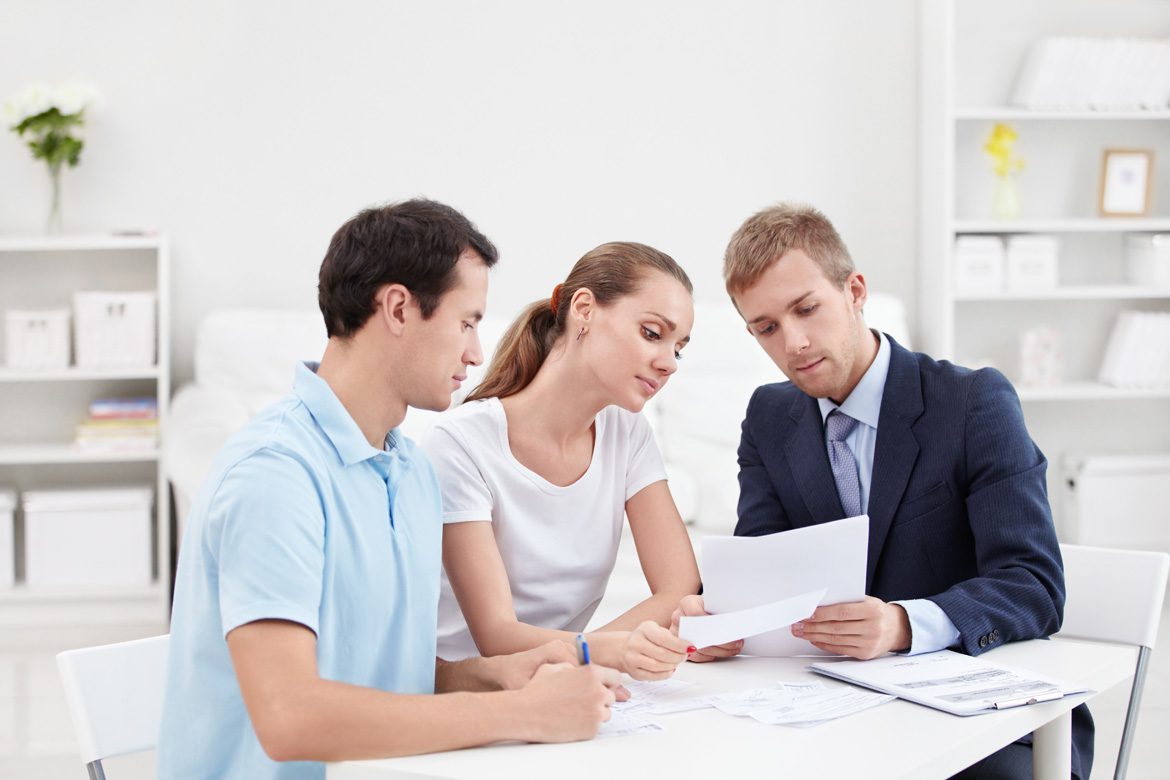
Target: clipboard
950 681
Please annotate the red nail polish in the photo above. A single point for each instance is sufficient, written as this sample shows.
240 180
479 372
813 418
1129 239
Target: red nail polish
692 649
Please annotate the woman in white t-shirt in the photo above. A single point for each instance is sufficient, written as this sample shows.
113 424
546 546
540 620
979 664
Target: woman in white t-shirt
539 466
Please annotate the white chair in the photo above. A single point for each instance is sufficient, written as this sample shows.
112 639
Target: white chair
1116 596
115 696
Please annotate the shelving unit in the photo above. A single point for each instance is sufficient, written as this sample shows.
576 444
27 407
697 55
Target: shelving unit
968 63
39 410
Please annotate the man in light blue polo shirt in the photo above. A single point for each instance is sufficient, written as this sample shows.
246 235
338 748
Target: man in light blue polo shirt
305 603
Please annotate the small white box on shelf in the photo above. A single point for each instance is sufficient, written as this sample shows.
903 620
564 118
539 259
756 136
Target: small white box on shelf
7 539
1117 501
115 329
1032 263
1147 259
87 537
37 339
979 264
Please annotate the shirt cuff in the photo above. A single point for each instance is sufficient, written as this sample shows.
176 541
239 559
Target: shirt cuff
930 628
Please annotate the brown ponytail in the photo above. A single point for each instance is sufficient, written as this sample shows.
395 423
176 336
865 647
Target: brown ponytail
610 271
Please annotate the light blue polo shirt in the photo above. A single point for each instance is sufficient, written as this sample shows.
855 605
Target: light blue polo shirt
300 520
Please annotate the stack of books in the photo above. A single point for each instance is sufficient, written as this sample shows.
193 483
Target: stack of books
119 425
1138 353
1104 74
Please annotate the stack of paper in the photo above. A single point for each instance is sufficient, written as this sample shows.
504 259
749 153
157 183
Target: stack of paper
119 425
1138 353
1118 74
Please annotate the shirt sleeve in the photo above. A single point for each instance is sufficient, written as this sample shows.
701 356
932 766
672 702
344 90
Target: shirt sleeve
268 529
645 463
930 628
466 496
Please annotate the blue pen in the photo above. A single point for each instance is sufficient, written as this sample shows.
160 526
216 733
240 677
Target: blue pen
582 650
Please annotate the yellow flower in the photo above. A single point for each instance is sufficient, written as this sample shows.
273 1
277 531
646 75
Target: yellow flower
999 149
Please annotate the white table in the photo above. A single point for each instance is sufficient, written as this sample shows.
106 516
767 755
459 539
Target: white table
895 740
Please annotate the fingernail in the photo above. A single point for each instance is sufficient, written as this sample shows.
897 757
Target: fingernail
692 649
798 626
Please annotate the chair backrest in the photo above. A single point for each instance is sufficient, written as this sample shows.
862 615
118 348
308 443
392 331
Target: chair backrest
1113 595
115 695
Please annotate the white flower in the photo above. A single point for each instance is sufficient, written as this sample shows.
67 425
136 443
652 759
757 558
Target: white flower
30 101
73 98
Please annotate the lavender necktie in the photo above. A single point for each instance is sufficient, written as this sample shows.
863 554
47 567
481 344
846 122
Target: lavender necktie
837 427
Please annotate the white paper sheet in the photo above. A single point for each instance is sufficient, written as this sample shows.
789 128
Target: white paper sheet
623 724
741 572
710 630
950 681
646 695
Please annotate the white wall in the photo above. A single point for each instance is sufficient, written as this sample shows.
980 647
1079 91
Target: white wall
249 130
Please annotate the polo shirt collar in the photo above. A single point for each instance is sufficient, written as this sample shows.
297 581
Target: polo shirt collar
333 418
864 404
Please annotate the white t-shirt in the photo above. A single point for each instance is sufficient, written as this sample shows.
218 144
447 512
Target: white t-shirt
558 543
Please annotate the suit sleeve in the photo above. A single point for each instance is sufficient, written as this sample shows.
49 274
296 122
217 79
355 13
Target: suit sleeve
760 511
1018 591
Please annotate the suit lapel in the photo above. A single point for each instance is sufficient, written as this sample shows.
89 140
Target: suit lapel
809 461
896 449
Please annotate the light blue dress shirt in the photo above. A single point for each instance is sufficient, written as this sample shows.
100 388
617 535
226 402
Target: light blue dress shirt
300 520
930 628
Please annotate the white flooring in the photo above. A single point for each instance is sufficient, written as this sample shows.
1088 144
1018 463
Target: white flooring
36 735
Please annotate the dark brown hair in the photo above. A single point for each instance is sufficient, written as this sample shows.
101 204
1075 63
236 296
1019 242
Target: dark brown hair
415 243
610 272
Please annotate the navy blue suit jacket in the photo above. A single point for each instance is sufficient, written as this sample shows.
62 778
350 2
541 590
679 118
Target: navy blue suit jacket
958 504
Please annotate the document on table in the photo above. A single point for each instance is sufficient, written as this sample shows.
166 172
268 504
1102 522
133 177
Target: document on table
741 572
798 704
950 681
707 630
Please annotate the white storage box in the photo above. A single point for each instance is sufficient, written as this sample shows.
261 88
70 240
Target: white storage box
7 539
87 537
1032 263
979 264
1147 259
1117 501
37 339
114 329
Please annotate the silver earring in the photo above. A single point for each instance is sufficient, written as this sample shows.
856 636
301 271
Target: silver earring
580 333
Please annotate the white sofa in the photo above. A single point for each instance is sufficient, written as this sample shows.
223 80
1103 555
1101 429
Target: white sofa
244 360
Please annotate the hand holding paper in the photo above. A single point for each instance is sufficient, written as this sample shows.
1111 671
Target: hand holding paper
718 629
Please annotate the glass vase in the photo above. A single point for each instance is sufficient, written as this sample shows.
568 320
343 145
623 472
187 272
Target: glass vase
55 224
1005 202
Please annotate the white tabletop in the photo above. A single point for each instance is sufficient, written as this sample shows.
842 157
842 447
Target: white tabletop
895 740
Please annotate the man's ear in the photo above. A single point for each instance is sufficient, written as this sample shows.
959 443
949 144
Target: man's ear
393 304
582 304
857 290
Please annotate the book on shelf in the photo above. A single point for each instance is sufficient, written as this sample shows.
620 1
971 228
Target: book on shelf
123 408
1137 354
119 425
1103 74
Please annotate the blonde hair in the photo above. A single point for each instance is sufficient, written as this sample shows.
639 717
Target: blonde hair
610 272
766 236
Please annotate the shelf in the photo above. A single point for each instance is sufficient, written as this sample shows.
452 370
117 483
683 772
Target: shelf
1089 225
79 241
1089 391
27 454
23 594
73 373
1070 293
993 113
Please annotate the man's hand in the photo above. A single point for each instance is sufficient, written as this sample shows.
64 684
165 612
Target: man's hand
692 606
651 652
566 702
512 672
862 629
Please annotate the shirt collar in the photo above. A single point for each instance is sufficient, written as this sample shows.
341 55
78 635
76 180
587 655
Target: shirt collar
864 404
337 424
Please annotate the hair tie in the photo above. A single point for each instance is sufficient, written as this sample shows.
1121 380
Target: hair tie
554 301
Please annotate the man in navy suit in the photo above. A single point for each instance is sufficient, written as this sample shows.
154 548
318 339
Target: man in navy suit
962 549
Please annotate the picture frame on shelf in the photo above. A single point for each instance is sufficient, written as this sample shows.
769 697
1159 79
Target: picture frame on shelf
1126 182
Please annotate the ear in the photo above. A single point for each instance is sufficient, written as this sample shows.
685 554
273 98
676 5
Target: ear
393 303
856 290
582 304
